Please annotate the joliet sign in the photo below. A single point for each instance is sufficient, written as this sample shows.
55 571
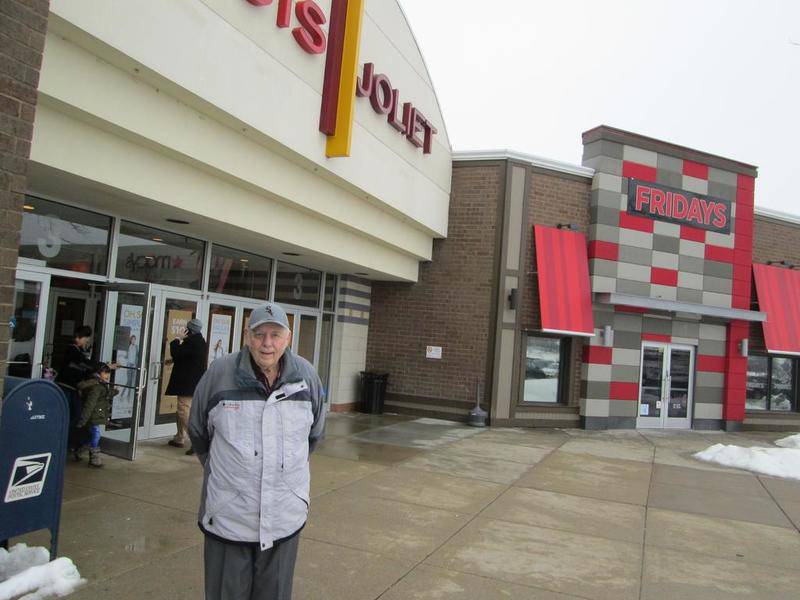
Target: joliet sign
341 85
678 206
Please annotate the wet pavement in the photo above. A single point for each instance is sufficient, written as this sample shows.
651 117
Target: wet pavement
408 508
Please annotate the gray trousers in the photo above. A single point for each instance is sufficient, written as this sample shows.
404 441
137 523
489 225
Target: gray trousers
239 572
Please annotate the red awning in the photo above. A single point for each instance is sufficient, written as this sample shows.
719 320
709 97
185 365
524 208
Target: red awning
778 292
565 299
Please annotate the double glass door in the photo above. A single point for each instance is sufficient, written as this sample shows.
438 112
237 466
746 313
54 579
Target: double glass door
666 385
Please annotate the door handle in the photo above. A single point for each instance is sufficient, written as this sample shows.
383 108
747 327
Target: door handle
155 370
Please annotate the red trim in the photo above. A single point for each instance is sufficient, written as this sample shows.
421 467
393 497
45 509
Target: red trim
639 171
693 169
604 250
719 253
693 234
629 309
656 337
635 222
597 355
565 299
778 292
623 390
664 276
708 363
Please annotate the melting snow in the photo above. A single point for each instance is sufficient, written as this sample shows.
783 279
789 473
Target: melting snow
780 462
27 574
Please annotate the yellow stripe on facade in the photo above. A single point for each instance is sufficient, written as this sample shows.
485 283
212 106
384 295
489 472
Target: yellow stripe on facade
339 143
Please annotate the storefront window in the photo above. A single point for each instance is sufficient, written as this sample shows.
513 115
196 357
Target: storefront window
63 237
23 328
238 273
771 383
155 256
330 292
542 369
297 285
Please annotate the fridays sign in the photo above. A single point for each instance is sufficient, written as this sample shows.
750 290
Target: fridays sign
674 205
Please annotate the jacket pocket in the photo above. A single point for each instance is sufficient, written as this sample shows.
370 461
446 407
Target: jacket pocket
218 504
235 423
296 420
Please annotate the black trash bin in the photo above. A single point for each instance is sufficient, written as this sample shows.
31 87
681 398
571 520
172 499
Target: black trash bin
373 392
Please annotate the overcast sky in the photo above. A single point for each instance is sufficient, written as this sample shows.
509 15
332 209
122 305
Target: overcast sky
722 76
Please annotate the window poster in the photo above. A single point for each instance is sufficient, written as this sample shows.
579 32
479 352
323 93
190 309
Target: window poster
175 324
127 359
219 337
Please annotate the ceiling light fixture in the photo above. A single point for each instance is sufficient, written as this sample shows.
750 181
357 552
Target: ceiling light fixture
177 221
28 207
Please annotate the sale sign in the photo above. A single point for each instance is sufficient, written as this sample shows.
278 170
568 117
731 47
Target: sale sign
664 203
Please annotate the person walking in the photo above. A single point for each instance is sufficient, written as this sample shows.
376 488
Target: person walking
256 416
97 393
188 351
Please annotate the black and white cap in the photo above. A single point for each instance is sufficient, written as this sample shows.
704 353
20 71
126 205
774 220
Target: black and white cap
269 313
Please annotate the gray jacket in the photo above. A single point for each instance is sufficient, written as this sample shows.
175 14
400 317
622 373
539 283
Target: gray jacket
255 448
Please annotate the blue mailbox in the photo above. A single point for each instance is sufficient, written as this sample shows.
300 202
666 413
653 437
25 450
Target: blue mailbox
33 447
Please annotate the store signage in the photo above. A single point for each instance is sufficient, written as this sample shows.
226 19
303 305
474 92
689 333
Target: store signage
341 86
674 205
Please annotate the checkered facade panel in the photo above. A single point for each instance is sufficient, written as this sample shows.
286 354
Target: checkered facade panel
632 254
610 375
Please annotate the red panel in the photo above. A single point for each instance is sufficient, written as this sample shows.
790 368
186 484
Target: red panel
620 390
778 292
656 337
598 355
693 234
627 221
693 169
741 287
719 253
664 276
333 68
743 257
565 300
714 364
638 171
630 309
746 182
604 250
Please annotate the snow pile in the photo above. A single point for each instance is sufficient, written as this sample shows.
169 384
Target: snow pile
780 462
27 574
793 441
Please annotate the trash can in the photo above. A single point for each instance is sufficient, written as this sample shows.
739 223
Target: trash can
373 392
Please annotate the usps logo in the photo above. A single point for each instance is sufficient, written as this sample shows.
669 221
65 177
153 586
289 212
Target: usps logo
28 476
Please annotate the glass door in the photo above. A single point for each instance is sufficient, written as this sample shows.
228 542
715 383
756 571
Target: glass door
173 310
128 315
666 384
27 326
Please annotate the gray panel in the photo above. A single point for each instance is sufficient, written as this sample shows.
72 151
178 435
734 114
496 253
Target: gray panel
718 269
605 268
594 423
604 216
686 329
663 243
603 318
709 395
637 288
691 264
707 424
665 162
625 373
628 322
720 190
604 164
626 339
622 409
709 379
606 199
604 233
602 148
717 285
624 189
711 348
733 426
600 390
622 422
688 295
660 326
638 256
726 177
669 178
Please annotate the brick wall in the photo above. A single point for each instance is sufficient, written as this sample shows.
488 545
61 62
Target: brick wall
553 199
23 24
450 306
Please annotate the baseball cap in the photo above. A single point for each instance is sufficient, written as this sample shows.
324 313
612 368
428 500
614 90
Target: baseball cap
269 313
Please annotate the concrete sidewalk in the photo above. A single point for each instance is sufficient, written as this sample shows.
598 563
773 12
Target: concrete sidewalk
422 509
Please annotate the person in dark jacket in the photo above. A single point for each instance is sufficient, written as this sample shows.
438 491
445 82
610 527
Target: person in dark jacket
77 366
97 393
188 352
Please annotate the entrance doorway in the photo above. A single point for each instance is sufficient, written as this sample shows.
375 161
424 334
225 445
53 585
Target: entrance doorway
666 386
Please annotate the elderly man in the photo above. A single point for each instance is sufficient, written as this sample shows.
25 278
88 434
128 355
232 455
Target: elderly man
256 415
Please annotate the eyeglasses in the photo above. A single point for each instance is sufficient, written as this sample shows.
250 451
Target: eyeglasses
271 335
